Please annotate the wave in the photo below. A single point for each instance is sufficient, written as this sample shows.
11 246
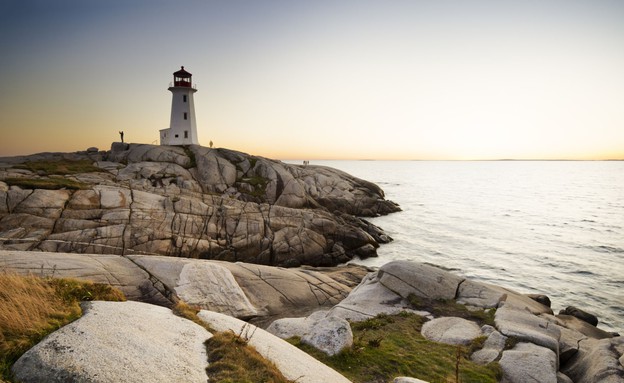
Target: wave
606 249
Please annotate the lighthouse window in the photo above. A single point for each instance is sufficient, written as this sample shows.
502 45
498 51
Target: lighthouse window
185 115
186 134
183 98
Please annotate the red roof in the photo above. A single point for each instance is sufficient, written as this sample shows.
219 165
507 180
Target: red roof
182 73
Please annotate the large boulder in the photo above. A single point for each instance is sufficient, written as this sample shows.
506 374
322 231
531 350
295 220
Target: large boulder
119 342
451 330
369 299
527 362
420 279
329 334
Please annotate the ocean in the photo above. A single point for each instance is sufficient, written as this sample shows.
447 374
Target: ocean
546 227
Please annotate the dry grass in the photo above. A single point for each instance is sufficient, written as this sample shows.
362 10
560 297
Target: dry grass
32 307
231 359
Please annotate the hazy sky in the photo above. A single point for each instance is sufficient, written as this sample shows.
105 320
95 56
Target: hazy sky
385 79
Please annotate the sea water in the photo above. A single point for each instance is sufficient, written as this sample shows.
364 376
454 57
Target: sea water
547 227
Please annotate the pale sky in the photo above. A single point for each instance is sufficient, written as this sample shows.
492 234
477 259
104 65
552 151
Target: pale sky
320 79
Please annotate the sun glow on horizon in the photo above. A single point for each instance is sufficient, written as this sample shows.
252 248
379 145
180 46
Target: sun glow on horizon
323 80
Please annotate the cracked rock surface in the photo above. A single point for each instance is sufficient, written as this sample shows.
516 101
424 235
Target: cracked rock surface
190 202
543 347
237 289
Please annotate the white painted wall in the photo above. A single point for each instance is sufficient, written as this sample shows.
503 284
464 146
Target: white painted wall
181 131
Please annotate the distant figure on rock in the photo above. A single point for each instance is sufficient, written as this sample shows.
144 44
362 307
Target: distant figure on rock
210 143
121 134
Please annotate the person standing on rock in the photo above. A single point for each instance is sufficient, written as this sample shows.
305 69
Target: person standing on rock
121 134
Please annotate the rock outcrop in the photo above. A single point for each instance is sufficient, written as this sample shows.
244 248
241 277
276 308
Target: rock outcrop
543 347
138 342
191 202
237 289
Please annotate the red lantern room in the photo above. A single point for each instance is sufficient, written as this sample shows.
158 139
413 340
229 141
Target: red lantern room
182 78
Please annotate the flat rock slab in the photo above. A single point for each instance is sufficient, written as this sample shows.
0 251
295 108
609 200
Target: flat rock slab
291 361
527 327
423 280
528 363
480 294
451 330
119 342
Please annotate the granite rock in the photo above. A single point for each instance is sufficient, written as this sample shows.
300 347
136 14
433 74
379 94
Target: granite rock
101 346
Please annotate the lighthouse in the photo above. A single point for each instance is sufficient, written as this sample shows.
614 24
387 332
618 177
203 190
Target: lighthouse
182 127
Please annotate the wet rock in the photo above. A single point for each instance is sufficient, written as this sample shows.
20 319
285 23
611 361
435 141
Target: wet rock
580 314
543 299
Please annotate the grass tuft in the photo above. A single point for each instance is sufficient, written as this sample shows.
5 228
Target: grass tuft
46 183
231 359
450 308
61 167
32 307
230 356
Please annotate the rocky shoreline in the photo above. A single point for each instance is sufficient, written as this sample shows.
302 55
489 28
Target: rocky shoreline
214 228
526 338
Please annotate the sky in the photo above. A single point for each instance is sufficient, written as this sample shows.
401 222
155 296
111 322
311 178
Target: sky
339 79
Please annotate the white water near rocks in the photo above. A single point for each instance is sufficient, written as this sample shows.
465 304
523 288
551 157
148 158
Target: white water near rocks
549 227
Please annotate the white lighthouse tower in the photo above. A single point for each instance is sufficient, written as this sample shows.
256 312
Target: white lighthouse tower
182 128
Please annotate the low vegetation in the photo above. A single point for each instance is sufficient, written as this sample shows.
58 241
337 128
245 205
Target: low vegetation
46 183
231 359
60 167
31 307
389 346
450 308
191 155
